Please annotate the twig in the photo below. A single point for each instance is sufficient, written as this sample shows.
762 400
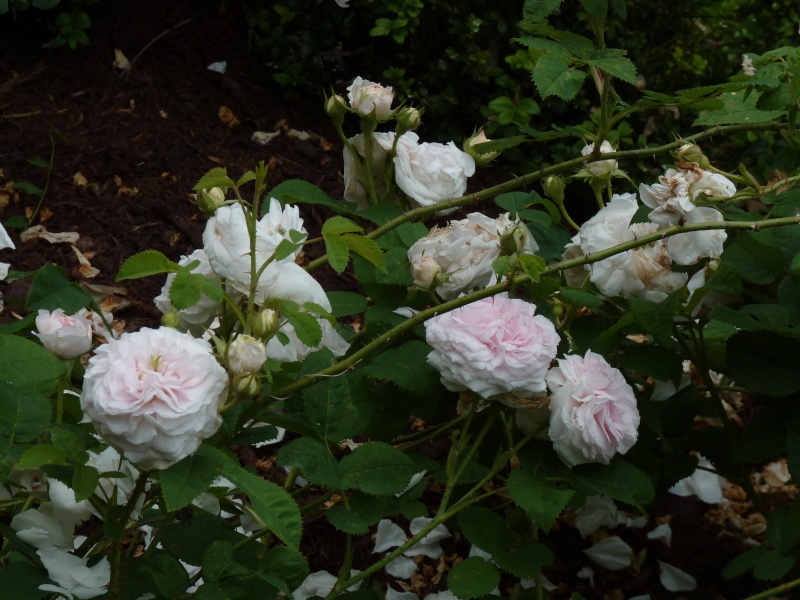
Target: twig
127 71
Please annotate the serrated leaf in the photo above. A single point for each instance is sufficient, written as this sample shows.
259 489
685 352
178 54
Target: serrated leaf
621 68
51 290
544 45
554 77
39 455
367 248
773 565
289 564
338 252
620 480
597 8
219 562
525 558
186 289
744 562
84 481
246 178
330 410
186 480
473 577
377 469
19 579
307 328
299 191
406 366
271 503
168 575
361 512
765 362
346 303
24 414
580 298
536 10
655 317
541 499
753 260
314 460
144 264
485 529
532 265
397 270
410 233
337 225
381 213
216 177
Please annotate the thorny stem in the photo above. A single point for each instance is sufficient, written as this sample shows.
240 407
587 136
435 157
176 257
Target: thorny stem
529 178
776 591
384 339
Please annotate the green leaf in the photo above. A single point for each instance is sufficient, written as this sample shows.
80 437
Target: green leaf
575 297
765 362
554 77
485 529
753 260
246 178
653 361
216 177
536 10
20 580
288 564
186 480
597 8
524 559
338 225
655 317
190 540
187 288
307 328
39 455
381 213
346 303
397 270
169 576
285 248
473 577
219 562
51 290
621 68
773 565
45 4
271 503
314 460
84 481
28 188
144 264
361 512
406 366
541 499
338 252
620 480
742 563
377 469
532 265
330 410
364 246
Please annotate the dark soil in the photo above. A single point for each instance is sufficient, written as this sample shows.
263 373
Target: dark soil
142 139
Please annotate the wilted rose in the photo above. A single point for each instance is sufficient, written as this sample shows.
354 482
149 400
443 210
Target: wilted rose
593 412
494 347
368 97
431 172
672 198
66 336
154 395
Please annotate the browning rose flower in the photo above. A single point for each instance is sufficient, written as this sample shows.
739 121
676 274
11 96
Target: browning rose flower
495 347
154 395
593 413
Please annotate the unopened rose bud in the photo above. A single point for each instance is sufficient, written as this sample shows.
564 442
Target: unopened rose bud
408 119
266 323
171 318
554 187
210 200
600 168
691 153
246 386
336 107
245 354
371 100
66 336
515 240
481 158
425 271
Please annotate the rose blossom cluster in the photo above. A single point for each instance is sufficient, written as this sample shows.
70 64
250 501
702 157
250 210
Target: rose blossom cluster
497 348
425 172
646 271
458 258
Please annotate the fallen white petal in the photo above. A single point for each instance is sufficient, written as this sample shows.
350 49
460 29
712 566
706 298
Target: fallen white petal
611 553
218 67
705 485
263 138
662 532
475 551
392 594
599 511
587 573
389 535
401 567
674 579
546 584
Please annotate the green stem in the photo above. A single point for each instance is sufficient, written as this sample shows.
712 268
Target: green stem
47 181
386 338
116 549
776 591
523 180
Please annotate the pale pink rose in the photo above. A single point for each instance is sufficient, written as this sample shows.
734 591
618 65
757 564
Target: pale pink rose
154 395
368 97
245 354
66 336
600 168
495 347
429 172
593 412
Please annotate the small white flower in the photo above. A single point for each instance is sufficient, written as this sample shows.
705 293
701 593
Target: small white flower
245 354
370 98
747 66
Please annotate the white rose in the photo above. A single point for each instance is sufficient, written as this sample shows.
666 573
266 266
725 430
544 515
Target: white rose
75 578
643 272
5 242
65 336
673 197
245 354
227 242
367 98
465 250
495 347
600 168
593 410
688 248
198 317
154 395
430 172
354 177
